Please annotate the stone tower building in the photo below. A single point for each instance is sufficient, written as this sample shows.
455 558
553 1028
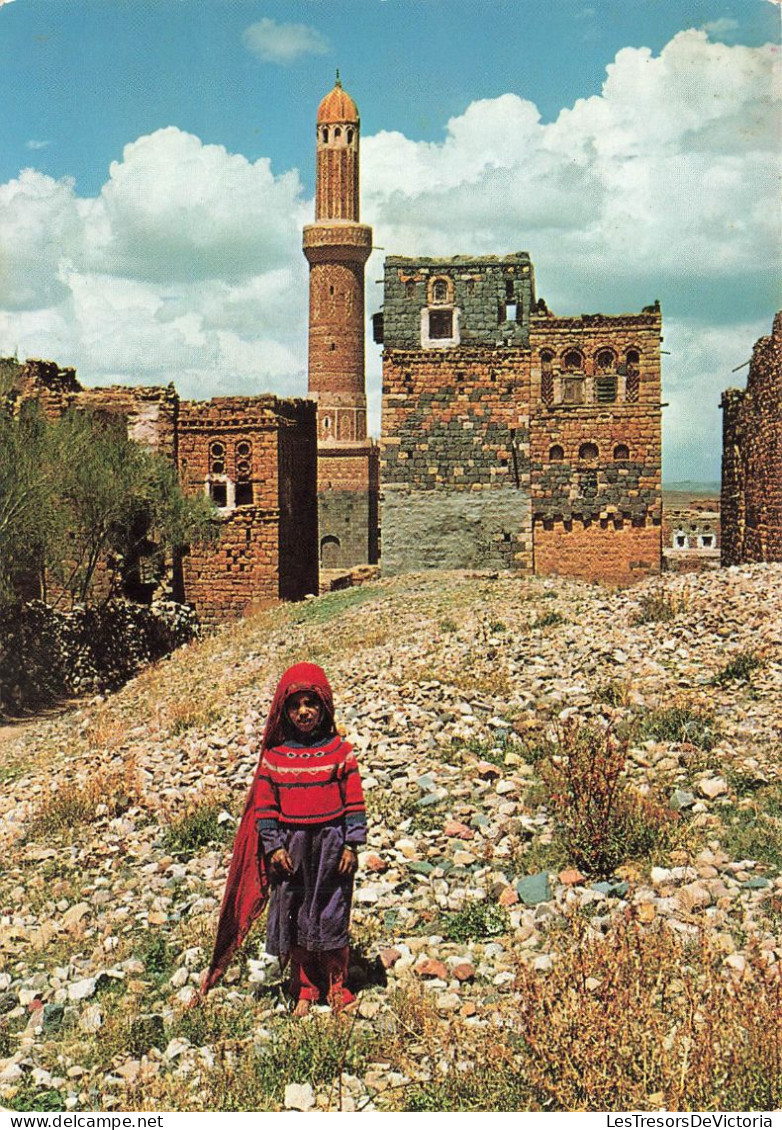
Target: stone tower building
337 247
752 458
511 438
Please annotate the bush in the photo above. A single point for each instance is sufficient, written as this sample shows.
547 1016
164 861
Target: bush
637 1020
602 822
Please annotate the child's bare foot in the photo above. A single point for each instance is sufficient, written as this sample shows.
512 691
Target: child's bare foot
302 1008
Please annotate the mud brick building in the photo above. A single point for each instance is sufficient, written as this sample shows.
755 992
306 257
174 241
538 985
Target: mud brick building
337 247
751 499
256 457
512 438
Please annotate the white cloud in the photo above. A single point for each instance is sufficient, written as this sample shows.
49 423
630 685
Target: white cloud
283 43
723 28
187 266
33 144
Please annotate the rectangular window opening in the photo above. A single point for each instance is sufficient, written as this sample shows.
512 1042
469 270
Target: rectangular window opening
440 324
244 494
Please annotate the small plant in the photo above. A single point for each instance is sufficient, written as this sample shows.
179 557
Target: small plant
549 620
658 606
678 723
738 670
448 625
156 955
30 1098
198 829
476 920
612 693
752 829
603 823
496 627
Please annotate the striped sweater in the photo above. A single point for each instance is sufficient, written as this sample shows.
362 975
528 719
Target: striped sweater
313 784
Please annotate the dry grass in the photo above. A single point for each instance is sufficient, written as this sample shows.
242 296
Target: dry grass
638 1020
107 792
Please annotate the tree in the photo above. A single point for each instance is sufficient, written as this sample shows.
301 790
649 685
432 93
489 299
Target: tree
77 491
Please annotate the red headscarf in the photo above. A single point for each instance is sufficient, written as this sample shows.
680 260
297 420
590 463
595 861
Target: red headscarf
247 885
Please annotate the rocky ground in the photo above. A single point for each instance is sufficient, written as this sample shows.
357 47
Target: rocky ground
117 816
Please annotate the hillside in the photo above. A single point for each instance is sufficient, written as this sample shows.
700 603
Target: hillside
525 906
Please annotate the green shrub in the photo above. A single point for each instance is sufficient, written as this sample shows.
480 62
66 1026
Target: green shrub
476 920
678 724
739 669
549 620
658 606
198 829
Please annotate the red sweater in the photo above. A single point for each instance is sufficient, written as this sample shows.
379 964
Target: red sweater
310 785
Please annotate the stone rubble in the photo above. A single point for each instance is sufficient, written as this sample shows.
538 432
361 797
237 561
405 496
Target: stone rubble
443 719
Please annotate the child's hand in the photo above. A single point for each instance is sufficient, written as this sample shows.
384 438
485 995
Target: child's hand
347 861
281 862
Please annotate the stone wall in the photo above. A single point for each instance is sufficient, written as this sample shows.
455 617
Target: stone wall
613 551
348 505
47 654
455 428
751 501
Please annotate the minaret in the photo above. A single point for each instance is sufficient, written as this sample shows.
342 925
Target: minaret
337 246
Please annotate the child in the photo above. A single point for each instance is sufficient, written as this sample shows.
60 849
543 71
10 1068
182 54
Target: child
302 822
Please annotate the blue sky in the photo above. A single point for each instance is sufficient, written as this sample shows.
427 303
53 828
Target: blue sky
157 165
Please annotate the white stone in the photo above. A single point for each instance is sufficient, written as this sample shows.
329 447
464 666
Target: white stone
80 990
299 1096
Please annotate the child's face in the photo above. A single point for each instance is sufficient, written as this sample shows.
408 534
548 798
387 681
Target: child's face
304 711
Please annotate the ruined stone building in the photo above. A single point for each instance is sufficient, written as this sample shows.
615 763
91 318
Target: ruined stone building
511 438
256 457
751 500
337 247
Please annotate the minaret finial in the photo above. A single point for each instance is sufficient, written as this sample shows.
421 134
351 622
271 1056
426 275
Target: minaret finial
338 80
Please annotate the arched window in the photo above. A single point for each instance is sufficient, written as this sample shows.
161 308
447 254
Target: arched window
410 288
588 452
621 451
350 137
325 135
605 361
440 290
337 132
573 361
329 551
556 454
